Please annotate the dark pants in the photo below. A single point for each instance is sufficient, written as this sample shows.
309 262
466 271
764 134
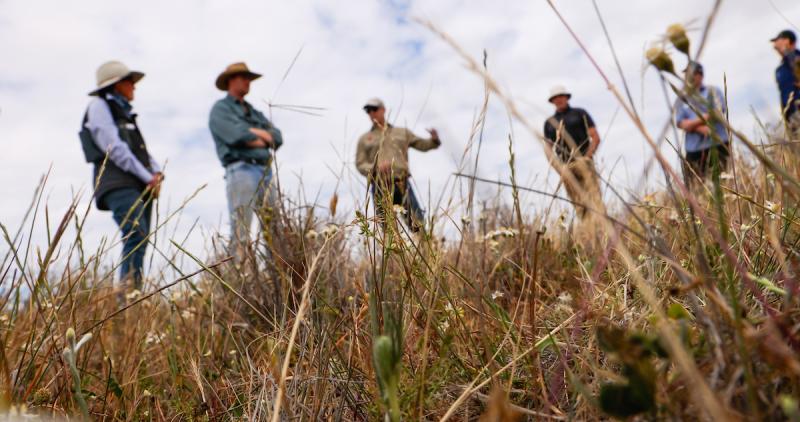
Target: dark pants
701 161
402 195
133 218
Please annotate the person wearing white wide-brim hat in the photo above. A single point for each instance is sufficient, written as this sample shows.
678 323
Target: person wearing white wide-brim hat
572 134
126 177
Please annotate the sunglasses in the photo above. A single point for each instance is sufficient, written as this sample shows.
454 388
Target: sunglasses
370 109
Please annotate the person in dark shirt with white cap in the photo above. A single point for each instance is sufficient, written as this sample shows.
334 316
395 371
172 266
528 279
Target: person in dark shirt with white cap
787 75
572 134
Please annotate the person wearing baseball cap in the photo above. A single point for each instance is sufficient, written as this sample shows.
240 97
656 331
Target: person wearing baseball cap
706 141
126 177
787 75
382 157
572 134
244 139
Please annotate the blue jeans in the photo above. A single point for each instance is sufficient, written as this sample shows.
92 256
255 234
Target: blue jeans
246 186
401 194
133 218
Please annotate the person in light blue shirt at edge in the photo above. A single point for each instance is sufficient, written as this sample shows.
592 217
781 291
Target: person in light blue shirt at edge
243 138
706 147
130 178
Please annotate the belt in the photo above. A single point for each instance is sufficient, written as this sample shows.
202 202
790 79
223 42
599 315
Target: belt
253 161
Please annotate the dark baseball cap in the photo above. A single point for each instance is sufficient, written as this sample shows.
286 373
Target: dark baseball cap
788 34
694 67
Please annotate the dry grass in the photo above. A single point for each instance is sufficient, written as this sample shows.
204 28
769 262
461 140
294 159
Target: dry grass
681 305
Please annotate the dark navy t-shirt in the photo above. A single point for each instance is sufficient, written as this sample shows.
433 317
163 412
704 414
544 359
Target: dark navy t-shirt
576 122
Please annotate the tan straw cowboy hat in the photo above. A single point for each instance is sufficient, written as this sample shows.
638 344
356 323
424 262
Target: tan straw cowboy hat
112 72
233 70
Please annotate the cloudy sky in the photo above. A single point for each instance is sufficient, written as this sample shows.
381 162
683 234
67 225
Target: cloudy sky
348 51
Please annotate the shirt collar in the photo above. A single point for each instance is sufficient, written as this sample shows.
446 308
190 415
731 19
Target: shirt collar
566 110
235 100
122 102
375 126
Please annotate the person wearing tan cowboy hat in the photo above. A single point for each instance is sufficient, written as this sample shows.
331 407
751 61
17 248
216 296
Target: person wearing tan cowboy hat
126 177
382 156
244 138
572 134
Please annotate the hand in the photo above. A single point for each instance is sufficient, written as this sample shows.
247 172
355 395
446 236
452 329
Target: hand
434 134
263 135
256 143
155 184
703 130
385 168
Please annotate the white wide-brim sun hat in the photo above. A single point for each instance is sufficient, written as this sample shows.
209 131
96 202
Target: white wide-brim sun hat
112 72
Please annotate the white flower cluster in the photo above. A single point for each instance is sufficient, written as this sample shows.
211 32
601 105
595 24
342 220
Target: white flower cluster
501 233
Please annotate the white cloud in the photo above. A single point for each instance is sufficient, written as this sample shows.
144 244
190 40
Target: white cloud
351 51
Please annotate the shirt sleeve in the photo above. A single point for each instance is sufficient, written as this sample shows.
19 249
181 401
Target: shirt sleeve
104 130
587 118
277 136
549 131
683 113
364 163
227 128
422 144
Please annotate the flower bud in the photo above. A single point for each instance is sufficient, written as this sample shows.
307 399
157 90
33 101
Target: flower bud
660 60
677 36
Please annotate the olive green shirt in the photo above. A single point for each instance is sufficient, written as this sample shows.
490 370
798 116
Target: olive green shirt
389 144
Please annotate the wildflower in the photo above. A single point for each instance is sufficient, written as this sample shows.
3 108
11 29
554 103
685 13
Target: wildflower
496 294
494 246
330 230
232 352
444 325
660 60
725 175
565 297
465 220
133 294
153 337
398 210
311 234
146 393
649 200
677 36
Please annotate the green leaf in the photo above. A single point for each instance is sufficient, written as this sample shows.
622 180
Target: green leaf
114 386
678 312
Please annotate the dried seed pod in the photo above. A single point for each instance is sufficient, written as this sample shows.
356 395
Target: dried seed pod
660 60
676 34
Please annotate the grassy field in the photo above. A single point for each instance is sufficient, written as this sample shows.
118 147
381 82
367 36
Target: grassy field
681 305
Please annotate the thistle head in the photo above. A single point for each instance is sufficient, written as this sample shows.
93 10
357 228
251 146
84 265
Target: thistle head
676 34
660 59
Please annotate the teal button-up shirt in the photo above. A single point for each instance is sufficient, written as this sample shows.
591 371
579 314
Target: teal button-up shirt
230 122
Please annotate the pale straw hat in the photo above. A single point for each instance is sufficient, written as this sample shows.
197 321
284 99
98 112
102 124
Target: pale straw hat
112 72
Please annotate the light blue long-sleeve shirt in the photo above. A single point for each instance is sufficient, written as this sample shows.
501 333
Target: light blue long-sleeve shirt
707 95
106 136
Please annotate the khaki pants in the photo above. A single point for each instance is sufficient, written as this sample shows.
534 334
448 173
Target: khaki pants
583 171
